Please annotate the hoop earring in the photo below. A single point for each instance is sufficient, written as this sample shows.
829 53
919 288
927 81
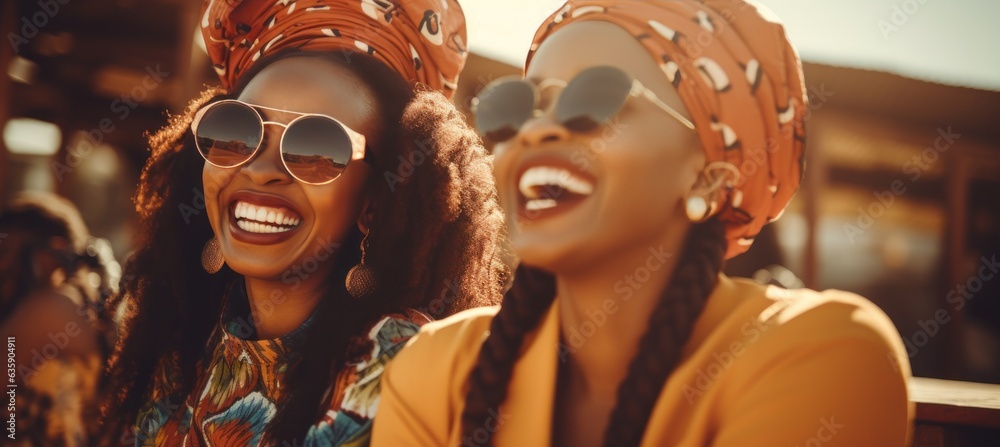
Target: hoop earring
360 280
705 198
211 256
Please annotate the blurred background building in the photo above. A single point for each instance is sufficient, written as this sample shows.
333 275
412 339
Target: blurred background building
901 201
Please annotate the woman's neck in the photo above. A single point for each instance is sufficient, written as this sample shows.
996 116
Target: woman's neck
604 312
278 308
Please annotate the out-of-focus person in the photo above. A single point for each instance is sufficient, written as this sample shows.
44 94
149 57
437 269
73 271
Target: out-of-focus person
54 279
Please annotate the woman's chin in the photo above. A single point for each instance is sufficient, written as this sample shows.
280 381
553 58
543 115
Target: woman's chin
554 256
262 262
288 262
258 269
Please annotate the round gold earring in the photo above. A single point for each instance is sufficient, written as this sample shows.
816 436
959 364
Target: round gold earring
360 280
699 209
704 198
211 256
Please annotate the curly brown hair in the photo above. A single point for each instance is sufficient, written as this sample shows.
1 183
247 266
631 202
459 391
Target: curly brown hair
437 232
669 328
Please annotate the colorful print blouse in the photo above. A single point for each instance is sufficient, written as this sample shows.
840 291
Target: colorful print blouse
240 386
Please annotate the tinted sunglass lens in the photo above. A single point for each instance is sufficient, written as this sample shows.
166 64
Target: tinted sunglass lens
316 149
228 134
592 98
503 108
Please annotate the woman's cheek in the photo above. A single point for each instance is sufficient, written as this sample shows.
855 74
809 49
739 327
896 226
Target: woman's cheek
502 160
214 180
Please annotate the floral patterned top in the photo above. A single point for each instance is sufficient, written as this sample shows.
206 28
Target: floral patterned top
240 385
57 407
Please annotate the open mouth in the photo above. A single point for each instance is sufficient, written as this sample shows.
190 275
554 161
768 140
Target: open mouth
264 219
258 218
548 187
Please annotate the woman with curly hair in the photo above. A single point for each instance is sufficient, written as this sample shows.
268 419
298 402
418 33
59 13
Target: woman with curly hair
629 172
294 218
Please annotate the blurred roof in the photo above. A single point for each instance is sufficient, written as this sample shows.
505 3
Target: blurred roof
913 101
951 42
92 55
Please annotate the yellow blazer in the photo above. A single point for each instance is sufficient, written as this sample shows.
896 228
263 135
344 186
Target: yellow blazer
764 367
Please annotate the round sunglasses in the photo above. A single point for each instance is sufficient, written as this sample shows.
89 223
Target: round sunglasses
315 148
587 101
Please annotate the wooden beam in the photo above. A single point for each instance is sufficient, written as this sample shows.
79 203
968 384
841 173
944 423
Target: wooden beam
815 183
958 210
928 189
188 63
8 23
956 403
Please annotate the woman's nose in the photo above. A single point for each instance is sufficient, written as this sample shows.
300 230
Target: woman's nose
541 130
266 166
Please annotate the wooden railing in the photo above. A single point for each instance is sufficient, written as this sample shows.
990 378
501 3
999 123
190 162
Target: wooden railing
955 414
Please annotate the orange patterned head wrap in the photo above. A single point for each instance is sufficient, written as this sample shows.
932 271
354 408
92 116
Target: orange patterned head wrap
422 40
741 81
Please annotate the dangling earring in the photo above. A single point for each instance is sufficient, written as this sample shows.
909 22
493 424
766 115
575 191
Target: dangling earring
360 279
211 256
699 208
704 199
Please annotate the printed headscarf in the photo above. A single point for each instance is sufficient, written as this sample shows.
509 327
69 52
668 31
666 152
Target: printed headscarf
422 40
741 81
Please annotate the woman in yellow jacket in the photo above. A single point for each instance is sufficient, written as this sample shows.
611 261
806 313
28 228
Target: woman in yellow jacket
649 142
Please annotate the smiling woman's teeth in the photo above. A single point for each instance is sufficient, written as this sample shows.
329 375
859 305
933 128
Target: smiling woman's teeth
543 186
264 219
540 204
257 227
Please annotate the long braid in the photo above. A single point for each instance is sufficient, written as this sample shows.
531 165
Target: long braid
522 309
670 326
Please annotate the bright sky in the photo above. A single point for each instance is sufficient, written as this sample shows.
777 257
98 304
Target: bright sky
953 42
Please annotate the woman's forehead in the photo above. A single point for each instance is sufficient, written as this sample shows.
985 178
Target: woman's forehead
314 85
582 45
